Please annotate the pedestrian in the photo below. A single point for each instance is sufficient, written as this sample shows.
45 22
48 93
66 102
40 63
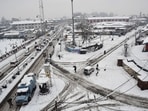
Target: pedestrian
75 68
59 56
10 102
97 66
97 69
104 52
50 56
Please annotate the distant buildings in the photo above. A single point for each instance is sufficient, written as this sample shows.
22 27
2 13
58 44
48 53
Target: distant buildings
13 34
108 19
110 25
31 24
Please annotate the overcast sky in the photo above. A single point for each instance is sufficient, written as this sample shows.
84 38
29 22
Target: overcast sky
60 8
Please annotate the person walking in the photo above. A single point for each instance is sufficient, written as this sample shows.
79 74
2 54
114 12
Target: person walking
10 102
59 56
97 69
75 68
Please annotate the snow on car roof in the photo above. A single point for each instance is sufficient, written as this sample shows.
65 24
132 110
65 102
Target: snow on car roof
26 80
22 90
88 67
30 74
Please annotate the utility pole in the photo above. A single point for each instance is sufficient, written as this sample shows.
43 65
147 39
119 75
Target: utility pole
73 35
15 51
41 8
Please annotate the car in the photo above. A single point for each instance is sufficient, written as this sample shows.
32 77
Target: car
14 63
27 53
88 70
32 57
38 48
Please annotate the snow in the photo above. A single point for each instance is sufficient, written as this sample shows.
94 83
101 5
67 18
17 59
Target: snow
110 75
109 17
26 22
42 77
38 102
6 45
22 90
26 80
8 77
145 41
11 33
88 67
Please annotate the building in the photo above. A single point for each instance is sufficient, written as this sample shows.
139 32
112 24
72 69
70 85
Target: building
108 19
31 24
13 34
145 42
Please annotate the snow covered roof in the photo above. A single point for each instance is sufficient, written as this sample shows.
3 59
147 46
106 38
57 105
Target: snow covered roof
144 29
111 24
46 65
11 33
30 74
88 67
145 40
108 18
26 80
26 22
22 90
42 71
42 79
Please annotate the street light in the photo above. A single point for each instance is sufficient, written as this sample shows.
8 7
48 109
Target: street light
73 42
15 50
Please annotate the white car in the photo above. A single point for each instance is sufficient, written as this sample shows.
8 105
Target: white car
88 70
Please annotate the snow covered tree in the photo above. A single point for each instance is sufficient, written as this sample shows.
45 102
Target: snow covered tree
85 28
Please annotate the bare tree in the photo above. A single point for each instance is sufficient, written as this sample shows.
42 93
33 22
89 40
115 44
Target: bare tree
85 28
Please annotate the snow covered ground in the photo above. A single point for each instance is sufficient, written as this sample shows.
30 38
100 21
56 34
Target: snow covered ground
38 102
6 44
113 77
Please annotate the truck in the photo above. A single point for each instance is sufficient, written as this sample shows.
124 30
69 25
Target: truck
25 89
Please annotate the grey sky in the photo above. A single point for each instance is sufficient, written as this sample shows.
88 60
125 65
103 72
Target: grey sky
60 8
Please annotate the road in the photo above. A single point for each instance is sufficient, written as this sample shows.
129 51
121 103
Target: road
36 68
84 86
106 93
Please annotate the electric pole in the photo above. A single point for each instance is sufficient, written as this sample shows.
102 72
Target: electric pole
41 8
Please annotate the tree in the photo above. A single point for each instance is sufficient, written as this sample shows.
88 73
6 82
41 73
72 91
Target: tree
85 28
